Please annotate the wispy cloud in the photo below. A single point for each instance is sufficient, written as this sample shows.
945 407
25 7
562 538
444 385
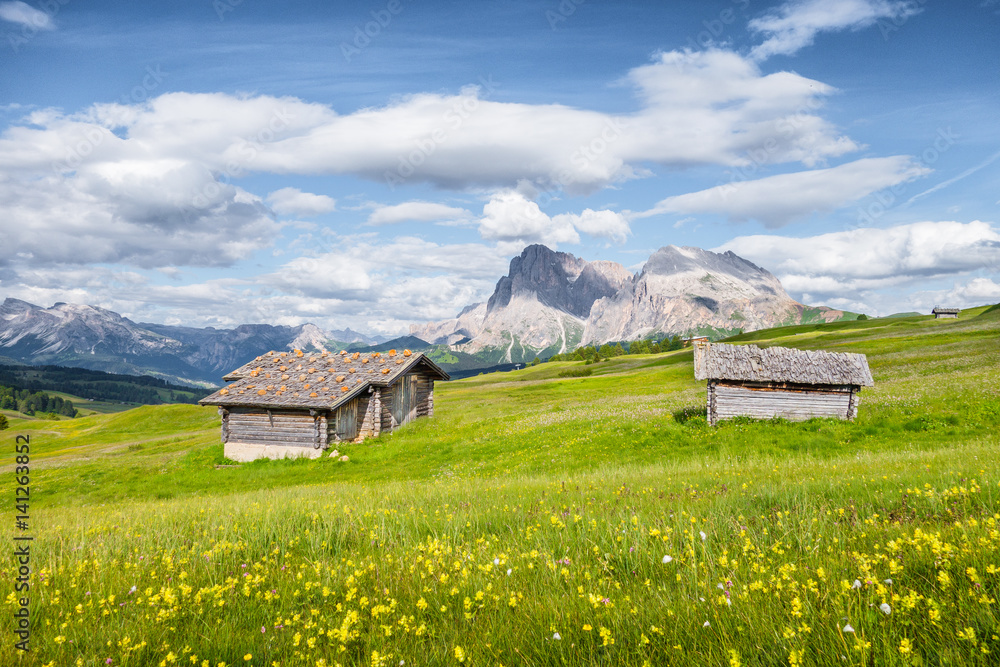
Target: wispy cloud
24 14
794 25
416 211
778 200
965 174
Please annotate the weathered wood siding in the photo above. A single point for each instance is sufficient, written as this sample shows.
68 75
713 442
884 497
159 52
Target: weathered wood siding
371 419
727 400
425 396
405 399
289 428
749 363
386 420
343 425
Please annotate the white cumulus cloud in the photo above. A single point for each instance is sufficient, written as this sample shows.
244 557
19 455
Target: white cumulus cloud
513 219
845 264
292 201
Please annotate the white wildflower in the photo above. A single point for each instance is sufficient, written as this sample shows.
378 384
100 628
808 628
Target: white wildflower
703 535
667 559
848 628
856 584
885 608
556 636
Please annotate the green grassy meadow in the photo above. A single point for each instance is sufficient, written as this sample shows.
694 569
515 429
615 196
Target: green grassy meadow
541 519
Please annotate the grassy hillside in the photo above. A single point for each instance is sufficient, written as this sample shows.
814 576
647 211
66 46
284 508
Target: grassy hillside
529 522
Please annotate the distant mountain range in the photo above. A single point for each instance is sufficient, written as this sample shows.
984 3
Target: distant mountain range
100 339
549 302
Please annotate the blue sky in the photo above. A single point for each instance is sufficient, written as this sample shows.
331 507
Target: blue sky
377 164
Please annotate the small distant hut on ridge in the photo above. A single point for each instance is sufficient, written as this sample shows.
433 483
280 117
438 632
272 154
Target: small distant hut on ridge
746 380
940 313
688 342
286 404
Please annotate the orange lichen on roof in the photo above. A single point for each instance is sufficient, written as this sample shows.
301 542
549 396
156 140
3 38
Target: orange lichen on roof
386 371
406 353
223 391
340 378
261 392
392 353
313 395
345 388
298 353
356 355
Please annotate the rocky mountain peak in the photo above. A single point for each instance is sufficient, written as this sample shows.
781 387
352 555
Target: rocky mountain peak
558 280
671 260
11 307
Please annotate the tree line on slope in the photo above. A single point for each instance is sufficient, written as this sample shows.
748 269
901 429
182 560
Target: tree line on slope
97 385
31 403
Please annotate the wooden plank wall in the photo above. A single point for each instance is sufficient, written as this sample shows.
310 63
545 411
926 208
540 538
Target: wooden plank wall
371 424
727 401
425 395
345 422
286 428
388 422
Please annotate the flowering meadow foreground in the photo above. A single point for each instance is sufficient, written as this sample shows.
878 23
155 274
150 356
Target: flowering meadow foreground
800 564
874 543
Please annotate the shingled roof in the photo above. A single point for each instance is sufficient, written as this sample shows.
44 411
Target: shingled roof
749 363
320 381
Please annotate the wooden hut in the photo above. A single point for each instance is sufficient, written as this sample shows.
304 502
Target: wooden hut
945 313
688 342
295 404
780 382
